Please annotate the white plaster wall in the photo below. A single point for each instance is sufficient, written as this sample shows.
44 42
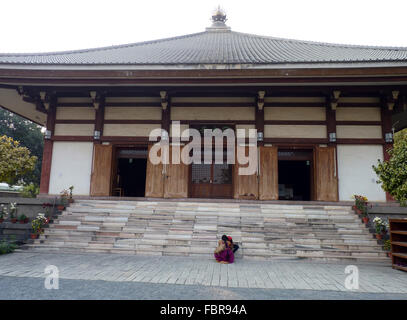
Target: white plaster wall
76 113
358 114
359 132
211 113
133 113
74 129
295 113
129 130
295 131
71 165
355 173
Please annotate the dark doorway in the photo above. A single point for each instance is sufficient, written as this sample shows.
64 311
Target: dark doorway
295 175
131 173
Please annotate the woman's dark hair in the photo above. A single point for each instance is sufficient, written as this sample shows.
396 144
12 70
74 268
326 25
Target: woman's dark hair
225 238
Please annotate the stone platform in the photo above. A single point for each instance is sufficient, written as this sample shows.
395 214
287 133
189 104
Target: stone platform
263 231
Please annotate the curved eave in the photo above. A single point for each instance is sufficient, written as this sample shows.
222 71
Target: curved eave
206 74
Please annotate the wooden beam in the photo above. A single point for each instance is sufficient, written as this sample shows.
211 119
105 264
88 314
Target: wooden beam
48 147
166 115
330 119
260 123
99 118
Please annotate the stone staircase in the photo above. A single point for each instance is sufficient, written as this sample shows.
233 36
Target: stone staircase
263 231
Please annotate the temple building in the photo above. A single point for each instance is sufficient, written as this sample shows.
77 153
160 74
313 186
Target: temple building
323 114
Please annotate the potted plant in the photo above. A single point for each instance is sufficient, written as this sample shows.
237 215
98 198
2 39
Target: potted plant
387 247
23 219
365 218
380 227
47 207
360 205
3 213
64 195
70 199
13 212
37 225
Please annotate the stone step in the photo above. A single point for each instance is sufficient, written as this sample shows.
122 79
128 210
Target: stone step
193 228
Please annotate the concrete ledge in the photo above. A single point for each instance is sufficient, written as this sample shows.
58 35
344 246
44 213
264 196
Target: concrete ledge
390 210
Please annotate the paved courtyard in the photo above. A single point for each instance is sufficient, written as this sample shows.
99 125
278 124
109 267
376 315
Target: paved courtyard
117 276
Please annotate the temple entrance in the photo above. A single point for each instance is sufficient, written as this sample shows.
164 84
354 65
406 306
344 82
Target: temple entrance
130 175
295 175
212 180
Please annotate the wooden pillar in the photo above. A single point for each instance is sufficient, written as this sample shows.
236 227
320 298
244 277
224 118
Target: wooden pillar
260 124
166 118
99 119
48 146
330 122
386 128
329 162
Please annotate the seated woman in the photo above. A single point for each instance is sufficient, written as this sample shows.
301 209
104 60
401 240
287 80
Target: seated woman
231 245
223 253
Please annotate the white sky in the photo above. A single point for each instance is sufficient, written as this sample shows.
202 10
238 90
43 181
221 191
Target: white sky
54 25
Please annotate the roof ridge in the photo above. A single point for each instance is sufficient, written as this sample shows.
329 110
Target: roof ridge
114 47
331 44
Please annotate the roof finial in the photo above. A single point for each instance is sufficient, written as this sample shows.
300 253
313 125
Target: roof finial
218 20
219 15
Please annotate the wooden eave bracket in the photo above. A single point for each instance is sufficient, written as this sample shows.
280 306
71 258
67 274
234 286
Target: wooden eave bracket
164 99
334 98
260 99
95 99
41 101
45 99
391 99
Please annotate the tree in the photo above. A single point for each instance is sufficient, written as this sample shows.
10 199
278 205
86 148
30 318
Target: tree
29 135
393 173
15 161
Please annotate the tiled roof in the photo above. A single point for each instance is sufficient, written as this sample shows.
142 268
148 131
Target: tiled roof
217 46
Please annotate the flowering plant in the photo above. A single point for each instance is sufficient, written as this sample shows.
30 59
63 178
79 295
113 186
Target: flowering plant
70 192
64 194
3 211
361 203
380 225
46 206
38 223
387 245
13 210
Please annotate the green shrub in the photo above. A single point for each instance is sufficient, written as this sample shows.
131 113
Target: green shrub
30 191
7 247
393 173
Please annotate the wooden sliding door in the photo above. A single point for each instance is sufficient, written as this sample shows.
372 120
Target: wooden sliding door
268 173
176 178
154 178
326 178
246 186
101 170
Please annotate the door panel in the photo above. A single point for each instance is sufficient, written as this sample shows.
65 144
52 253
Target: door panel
154 179
326 179
101 170
222 175
176 179
268 173
201 176
245 186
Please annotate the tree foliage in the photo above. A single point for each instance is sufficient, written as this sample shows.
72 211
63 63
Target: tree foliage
15 161
393 173
29 135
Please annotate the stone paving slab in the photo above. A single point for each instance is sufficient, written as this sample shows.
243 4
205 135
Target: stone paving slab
272 274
